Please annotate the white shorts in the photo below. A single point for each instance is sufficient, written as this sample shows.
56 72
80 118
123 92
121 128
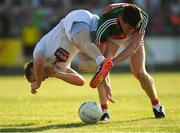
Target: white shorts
57 47
68 44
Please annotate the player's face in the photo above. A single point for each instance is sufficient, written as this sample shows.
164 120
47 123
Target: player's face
126 27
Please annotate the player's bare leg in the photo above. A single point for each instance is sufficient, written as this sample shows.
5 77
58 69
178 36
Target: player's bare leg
85 63
104 102
83 42
105 95
137 64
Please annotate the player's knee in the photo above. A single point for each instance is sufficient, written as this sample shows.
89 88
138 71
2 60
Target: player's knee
140 75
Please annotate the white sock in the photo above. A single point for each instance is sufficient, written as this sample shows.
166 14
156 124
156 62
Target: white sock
105 111
99 59
157 107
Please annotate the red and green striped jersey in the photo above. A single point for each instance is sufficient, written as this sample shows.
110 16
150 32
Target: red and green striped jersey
109 26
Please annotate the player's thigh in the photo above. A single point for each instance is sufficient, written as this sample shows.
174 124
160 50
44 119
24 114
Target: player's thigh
85 63
81 38
137 61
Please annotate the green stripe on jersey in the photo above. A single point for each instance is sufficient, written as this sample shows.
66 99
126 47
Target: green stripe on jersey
107 24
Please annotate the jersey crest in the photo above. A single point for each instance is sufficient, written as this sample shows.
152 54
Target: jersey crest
61 55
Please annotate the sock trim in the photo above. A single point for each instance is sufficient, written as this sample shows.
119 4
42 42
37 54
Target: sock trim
154 101
104 106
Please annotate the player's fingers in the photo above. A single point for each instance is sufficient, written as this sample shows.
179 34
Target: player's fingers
49 72
33 91
110 98
52 73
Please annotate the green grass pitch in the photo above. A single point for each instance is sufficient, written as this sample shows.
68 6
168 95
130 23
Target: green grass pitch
55 107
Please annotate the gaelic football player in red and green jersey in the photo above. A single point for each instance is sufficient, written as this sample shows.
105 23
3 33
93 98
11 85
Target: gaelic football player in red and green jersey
124 24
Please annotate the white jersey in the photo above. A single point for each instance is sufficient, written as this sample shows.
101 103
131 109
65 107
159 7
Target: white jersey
57 46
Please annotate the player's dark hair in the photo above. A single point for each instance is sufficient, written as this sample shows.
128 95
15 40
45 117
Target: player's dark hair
27 70
131 15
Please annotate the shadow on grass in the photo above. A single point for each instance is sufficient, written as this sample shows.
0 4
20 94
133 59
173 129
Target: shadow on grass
43 128
127 121
21 128
19 125
134 120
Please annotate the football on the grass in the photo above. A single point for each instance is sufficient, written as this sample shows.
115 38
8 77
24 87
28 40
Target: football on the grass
90 112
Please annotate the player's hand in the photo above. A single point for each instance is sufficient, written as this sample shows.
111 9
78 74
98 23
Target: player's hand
49 71
108 90
34 87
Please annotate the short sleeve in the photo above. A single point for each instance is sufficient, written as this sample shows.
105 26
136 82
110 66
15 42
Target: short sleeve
144 21
38 47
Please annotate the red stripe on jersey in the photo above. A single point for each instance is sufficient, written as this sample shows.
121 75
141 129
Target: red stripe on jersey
112 6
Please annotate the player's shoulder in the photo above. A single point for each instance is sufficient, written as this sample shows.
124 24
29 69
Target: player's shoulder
38 48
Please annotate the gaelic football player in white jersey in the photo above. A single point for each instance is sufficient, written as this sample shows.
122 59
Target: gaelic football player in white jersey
53 54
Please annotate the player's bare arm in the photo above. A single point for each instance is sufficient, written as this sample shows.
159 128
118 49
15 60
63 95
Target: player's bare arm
70 76
38 66
111 50
130 49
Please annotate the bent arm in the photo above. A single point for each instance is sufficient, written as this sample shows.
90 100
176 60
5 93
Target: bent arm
130 49
111 50
70 76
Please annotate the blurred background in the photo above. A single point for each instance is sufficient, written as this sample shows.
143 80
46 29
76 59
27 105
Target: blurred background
24 22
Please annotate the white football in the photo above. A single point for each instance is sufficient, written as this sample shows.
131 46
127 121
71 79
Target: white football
90 112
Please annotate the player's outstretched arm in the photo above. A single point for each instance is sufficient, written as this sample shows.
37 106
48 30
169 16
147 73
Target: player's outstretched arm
130 49
71 77
38 66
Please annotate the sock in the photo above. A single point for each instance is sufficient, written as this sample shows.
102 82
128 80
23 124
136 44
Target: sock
156 104
154 101
157 107
99 59
104 108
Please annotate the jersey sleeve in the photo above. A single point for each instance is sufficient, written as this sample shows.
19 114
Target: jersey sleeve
38 47
103 28
144 21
